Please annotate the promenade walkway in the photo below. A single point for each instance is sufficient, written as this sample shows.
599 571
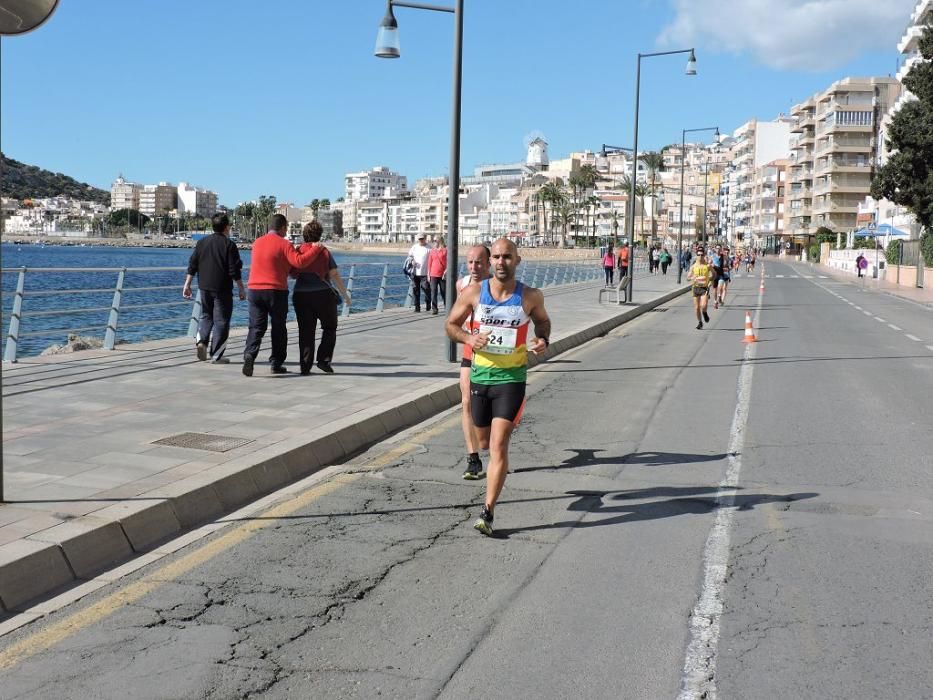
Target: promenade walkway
90 480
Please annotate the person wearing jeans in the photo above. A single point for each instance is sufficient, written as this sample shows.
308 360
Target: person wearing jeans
437 266
216 261
316 300
419 273
273 257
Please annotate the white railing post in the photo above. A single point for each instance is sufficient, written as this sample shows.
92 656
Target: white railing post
110 336
195 320
380 304
12 338
346 307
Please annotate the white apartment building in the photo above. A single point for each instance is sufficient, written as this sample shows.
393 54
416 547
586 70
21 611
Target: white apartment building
375 183
767 214
123 194
157 200
835 145
756 143
192 200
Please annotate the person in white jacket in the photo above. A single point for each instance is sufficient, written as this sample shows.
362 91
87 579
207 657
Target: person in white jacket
419 275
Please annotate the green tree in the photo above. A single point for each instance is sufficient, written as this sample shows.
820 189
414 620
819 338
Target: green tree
926 248
654 164
893 252
907 177
825 234
127 217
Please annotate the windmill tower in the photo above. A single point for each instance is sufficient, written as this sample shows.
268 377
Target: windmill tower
536 146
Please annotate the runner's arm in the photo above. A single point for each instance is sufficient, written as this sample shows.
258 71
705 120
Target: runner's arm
461 311
542 322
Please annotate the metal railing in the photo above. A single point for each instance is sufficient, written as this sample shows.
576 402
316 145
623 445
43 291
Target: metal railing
138 310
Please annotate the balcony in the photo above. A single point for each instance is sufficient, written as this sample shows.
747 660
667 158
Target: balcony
829 206
910 40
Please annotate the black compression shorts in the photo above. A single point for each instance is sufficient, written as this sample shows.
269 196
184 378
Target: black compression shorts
488 401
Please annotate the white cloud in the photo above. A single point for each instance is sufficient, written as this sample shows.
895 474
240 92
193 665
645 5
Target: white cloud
812 35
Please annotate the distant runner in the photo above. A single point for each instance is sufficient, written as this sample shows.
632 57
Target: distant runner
725 276
478 270
701 274
504 308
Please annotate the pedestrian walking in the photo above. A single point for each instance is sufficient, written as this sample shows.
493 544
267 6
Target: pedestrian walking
318 288
477 271
505 308
418 255
623 262
272 259
216 261
437 268
609 264
861 263
665 260
655 259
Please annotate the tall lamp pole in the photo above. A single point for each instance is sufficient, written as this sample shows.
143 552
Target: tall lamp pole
630 220
387 46
683 163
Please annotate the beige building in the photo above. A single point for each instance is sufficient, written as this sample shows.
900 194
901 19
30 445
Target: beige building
157 200
834 146
124 195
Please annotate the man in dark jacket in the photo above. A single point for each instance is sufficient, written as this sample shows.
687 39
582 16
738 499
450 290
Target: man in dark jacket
216 261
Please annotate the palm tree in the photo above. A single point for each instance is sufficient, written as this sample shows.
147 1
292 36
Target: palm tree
593 203
641 191
654 164
566 211
554 194
614 218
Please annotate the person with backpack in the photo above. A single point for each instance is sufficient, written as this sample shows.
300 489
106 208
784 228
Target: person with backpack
665 260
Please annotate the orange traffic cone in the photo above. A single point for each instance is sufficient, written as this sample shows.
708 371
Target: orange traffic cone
749 331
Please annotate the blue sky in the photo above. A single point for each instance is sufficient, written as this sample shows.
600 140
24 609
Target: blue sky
284 97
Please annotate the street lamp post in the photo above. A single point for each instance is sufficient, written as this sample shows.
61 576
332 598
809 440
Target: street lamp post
630 223
683 165
387 46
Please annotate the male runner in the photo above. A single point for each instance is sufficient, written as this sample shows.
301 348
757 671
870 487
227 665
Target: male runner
503 307
725 276
701 274
715 261
477 271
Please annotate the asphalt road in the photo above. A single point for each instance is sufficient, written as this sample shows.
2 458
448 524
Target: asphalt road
685 515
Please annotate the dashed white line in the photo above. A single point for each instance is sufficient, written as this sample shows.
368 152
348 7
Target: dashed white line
894 328
858 308
867 313
779 276
930 347
913 338
823 277
880 320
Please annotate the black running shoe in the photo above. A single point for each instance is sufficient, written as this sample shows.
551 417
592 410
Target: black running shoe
700 326
706 317
248 366
484 522
474 470
278 369
325 367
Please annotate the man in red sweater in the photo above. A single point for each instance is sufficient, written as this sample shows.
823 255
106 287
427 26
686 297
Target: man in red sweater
272 258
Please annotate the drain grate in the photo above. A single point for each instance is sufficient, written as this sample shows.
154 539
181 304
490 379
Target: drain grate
203 441
658 311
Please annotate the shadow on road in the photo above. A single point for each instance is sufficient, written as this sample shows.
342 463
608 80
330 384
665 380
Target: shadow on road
586 457
592 503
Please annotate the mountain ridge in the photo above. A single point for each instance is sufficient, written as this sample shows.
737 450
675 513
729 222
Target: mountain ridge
24 181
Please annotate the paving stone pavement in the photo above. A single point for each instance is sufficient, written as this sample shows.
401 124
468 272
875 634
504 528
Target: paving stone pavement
86 486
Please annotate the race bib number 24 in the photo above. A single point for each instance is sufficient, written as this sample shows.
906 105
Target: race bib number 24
501 340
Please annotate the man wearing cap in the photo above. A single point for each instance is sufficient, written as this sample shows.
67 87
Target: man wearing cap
419 275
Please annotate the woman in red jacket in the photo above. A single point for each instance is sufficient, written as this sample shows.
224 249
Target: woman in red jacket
437 267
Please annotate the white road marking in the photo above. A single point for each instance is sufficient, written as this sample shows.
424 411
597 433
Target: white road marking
779 276
913 338
858 308
930 347
894 328
823 277
867 313
879 319
699 676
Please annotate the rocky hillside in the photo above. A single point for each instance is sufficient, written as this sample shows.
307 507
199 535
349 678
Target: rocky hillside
23 181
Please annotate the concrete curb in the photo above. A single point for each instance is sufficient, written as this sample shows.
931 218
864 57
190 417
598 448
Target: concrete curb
84 547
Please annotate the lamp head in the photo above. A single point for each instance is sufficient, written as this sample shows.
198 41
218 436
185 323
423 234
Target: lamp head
692 64
387 44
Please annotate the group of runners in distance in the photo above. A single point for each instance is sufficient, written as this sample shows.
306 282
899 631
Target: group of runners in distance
711 277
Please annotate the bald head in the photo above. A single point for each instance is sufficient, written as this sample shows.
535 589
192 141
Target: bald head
504 259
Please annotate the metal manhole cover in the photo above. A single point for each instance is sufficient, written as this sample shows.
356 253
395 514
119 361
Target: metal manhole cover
203 441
